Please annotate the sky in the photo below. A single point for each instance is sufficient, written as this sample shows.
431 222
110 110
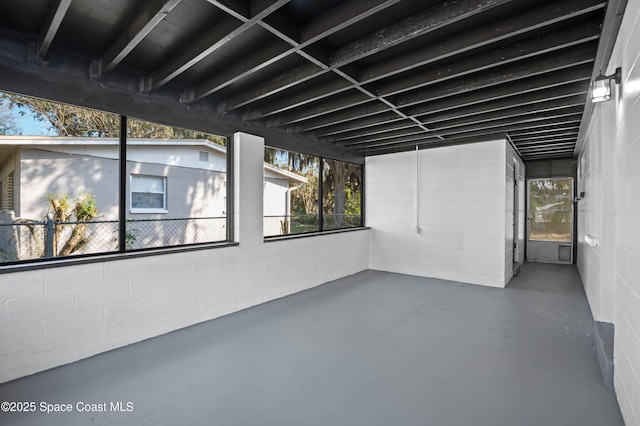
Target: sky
27 124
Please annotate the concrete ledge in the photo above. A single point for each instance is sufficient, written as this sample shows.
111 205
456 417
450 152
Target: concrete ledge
603 339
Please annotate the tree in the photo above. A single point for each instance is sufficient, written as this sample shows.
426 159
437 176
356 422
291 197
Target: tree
8 124
72 121
84 209
342 180
341 184
66 120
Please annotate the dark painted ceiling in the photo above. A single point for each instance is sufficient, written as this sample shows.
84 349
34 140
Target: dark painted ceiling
368 76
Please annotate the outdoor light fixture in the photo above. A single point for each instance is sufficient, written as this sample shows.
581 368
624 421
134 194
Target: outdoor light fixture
601 87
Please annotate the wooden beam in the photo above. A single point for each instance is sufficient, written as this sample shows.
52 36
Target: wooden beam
503 29
331 21
51 26
219 36
523 50
347 100
153 12
574 56
435 17
241 68
517 100
517 111
574 75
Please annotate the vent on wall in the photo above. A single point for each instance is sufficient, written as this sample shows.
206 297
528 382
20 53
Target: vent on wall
564 253
6 200
204 156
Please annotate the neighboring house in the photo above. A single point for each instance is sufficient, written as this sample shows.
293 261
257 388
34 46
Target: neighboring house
176 191
278 185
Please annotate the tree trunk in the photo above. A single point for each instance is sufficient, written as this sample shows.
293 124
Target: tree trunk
338 195
75 241
59 215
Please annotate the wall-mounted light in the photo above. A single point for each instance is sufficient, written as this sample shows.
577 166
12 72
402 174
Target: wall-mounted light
602 88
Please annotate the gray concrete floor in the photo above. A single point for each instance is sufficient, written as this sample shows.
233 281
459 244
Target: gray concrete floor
371 349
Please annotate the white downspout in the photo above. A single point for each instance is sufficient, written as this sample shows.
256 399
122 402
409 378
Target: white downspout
417 190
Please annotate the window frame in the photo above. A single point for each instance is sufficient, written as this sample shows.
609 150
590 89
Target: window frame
320 192
124 208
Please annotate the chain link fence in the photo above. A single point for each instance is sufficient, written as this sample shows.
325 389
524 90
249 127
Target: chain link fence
300 223
26 240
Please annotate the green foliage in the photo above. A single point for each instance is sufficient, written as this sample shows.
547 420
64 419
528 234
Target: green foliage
130 237
8 124
85 207
69 120
63 199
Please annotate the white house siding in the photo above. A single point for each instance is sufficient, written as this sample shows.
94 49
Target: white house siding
610 212
44 172
275 202
55 316
196 195
461 200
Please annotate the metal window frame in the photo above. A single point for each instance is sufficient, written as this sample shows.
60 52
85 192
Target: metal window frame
321 230
122 252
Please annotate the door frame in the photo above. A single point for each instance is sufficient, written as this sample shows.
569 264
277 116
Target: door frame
574 218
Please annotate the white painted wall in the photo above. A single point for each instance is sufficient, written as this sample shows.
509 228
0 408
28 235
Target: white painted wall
462 214
596 213
51 317
611 212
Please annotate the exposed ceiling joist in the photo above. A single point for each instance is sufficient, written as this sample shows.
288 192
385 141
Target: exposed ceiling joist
221 34
50 28
153 12
362 77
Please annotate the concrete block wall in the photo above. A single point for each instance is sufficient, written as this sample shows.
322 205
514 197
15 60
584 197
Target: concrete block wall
459 193
611 211
50 317
595 213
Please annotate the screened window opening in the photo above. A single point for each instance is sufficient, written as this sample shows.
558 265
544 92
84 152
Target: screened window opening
341 194
61 175
290 193
176 198
297 201
59 179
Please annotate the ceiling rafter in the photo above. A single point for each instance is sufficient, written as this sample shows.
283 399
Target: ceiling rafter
414 26
517 100
525 69
515 112
487 131
430 19
535 19
565 82
519 51
328 23
559 78
49 30
502 56
571 57
476 38
532 140
219 36
355 77
140 26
